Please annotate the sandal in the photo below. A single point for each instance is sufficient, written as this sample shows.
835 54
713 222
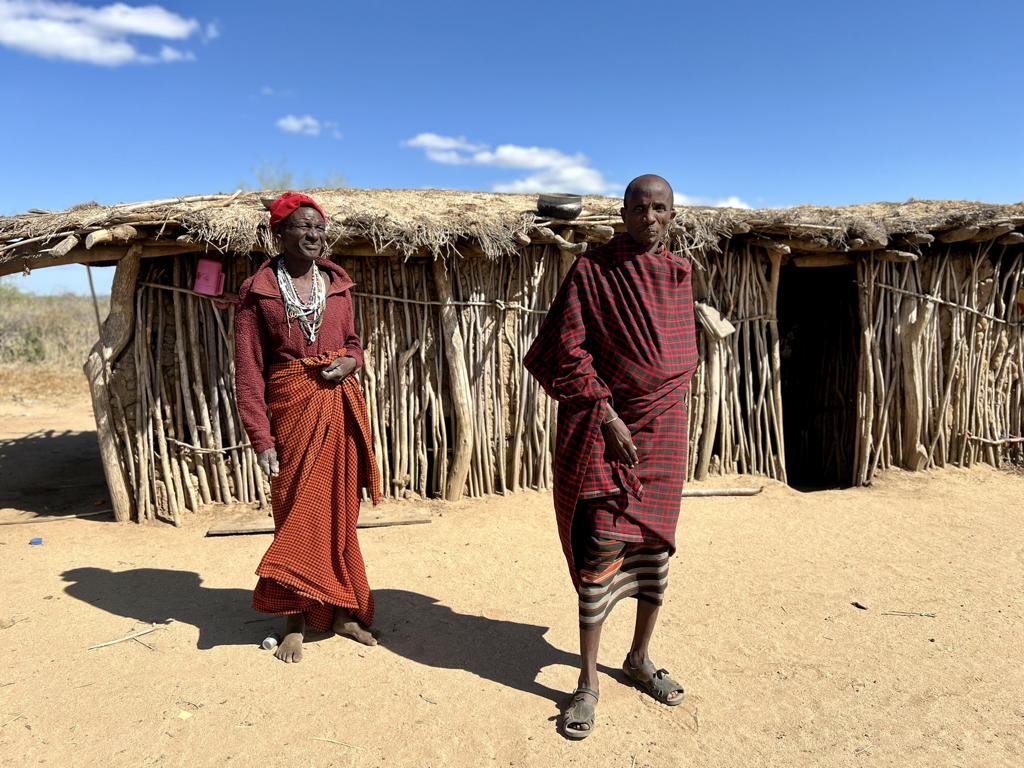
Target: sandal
658 686
578 721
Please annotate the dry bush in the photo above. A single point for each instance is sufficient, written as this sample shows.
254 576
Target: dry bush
54 332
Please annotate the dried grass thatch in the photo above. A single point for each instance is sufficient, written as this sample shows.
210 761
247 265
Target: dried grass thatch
437 222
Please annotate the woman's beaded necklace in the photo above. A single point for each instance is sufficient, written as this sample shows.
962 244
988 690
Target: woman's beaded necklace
309 314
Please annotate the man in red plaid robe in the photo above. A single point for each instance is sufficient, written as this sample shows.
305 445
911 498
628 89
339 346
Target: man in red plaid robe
617 350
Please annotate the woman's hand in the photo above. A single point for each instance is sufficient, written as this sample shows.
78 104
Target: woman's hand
268 462
618 439
339 369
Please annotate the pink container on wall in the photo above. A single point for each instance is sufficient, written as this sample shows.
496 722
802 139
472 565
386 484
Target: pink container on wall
209 278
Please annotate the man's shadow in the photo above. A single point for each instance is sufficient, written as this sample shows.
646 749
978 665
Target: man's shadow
419 628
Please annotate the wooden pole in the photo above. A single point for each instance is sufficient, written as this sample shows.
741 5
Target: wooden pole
115 335
776 363
180 343
461 395
915 319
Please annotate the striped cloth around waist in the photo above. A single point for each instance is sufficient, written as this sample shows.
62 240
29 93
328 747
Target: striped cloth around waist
612 570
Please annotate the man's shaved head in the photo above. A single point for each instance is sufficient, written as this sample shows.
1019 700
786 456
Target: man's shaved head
647 181
648 208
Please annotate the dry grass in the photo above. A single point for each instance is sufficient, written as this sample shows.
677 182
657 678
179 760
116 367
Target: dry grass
44 341
435 221
21 382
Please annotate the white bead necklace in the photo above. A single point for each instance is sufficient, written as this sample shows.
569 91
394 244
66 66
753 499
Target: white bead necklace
309 314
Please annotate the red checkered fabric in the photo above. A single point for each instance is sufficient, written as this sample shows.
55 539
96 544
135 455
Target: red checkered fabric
620 329
325 454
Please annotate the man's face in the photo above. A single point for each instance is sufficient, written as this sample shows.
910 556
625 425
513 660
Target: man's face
647 212
302 234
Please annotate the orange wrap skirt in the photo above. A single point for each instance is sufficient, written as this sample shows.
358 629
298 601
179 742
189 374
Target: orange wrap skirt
325 454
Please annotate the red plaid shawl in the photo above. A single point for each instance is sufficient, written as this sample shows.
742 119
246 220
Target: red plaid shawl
324 448
620 328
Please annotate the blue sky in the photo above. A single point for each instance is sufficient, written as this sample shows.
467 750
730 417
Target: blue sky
749 103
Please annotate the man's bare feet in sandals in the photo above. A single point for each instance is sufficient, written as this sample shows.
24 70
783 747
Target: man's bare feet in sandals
653 681
345 624
578 720
290 649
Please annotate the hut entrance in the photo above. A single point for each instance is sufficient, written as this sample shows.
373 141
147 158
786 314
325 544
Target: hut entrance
818 326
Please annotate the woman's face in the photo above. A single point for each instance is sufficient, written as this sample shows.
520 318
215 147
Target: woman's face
303 234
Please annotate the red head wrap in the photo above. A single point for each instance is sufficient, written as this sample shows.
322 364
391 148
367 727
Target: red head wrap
287 204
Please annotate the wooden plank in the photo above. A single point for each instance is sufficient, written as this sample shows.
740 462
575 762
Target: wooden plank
823 260
917 238
706 492
959 234
368 518
243 525
899 257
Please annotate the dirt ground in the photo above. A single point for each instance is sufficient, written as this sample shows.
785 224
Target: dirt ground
869 627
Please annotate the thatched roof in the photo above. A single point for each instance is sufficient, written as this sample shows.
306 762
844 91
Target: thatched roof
439 222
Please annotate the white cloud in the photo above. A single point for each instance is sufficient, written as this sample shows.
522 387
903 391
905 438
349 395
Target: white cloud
512 156
554 171
563 178
212 31
551 169
266 90
169 54
711 202
306 125
93 35
444 149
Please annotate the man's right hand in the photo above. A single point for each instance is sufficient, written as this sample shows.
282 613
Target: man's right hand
268 462
619 441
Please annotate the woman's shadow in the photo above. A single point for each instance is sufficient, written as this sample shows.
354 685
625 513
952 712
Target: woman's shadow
412 625
156 596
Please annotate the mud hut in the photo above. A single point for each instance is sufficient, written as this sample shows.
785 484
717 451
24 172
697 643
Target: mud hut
836 342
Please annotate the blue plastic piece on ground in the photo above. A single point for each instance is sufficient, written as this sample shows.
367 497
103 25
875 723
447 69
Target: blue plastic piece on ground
36 541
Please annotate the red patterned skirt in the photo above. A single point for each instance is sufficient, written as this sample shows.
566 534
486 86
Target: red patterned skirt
322 436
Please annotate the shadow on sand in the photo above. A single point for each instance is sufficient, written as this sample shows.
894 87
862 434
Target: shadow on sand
53 473
423 630
412 625
157 595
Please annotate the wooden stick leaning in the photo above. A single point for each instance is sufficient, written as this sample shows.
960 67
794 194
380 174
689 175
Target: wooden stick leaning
207 437
114 338
460 390
185 389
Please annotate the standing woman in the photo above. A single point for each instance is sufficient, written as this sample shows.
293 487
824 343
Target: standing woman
296 349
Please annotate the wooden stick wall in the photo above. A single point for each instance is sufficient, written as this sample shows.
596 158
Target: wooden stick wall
407 377
736 405
181 439
937 384
942 359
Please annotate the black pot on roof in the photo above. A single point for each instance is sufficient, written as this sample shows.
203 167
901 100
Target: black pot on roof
560 206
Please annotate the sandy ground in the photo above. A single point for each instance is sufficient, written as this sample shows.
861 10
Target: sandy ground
479 632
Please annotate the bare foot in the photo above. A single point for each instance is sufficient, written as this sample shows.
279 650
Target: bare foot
345 624
290 649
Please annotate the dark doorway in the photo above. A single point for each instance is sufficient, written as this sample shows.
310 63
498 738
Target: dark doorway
818 326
